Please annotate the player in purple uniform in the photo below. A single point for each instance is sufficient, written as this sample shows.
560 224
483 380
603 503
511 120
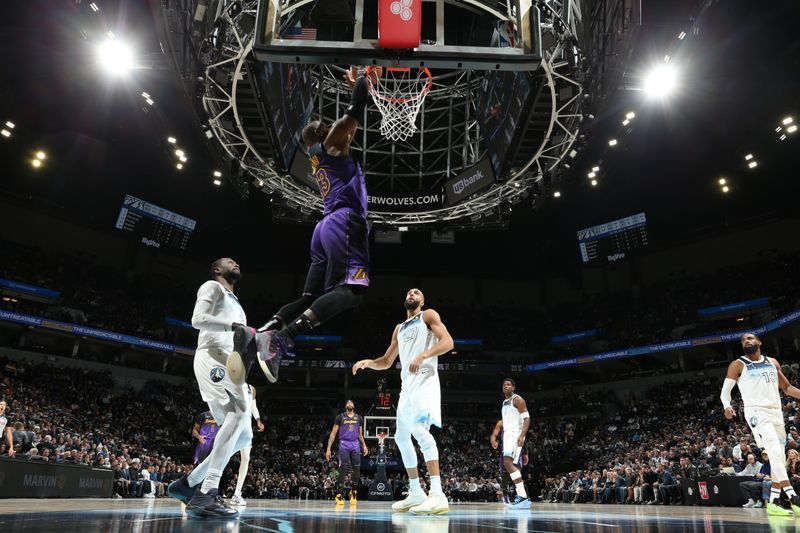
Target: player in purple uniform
205 431
339 271
350 428
496 439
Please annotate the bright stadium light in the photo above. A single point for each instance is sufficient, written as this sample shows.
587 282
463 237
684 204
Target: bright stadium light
10 125
722 181
725 189
41 155
595 169
792 128
179 166
172 140
594 183
748 157
183 159
179 153
217 183
592 174
36 163
752 164
630 115
787 120
660 81
115 57
5 133
557 194
217 174
612 142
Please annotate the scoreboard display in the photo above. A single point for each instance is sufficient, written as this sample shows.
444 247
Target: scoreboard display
157 227
613 240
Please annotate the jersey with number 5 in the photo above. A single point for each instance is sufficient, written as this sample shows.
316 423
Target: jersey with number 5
759 383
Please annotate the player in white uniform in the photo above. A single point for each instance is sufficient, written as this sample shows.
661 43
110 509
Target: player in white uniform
216 312
419 341
244 462
759 377
516 422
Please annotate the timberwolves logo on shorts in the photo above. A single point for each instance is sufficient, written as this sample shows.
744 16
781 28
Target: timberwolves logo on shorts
217 374
753 421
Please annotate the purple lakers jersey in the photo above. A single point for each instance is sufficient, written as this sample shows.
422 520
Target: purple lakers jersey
340 181
348 430
208 426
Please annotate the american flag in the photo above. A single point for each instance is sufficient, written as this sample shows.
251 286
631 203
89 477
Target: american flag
306 34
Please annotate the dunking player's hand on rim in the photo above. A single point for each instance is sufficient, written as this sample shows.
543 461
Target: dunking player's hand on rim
372 74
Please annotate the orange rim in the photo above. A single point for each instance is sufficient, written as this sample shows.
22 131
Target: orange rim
422 93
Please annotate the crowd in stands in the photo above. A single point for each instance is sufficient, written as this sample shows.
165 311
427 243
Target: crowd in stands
643 452
99 296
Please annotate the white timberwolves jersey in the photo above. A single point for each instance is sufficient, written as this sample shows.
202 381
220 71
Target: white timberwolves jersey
414 338
512 421
226 307
758 383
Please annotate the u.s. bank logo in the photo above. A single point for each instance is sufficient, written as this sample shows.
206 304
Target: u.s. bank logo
217 374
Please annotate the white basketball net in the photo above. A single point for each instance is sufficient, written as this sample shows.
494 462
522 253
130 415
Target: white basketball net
399 96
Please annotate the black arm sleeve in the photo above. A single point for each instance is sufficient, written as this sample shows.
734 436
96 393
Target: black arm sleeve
359 99
338 421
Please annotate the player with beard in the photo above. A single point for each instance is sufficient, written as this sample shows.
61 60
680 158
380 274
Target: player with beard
419 341
350 428
760 381
216 313
339 271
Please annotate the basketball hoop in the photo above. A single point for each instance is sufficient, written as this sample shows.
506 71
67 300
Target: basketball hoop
399 96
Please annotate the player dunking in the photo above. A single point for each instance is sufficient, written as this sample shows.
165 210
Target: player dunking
339 271
497 433
350 428
516 422
205 430
759 379
419 341
244 453
216 312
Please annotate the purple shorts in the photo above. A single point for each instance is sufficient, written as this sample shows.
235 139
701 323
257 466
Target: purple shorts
349 458
202 450
339 252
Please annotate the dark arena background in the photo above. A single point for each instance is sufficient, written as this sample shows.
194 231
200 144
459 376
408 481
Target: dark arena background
599 198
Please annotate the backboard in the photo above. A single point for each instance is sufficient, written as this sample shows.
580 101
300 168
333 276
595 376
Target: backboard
465 34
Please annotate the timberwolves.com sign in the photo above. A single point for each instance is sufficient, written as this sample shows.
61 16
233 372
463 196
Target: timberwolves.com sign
472 180
405 202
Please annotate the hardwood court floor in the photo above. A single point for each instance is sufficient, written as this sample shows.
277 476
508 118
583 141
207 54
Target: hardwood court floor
282 516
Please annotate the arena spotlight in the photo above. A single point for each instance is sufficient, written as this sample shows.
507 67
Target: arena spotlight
660 81
115 57
595 169
36 163
612 142
592 174
179 166
594 183
41 155
630 115
217 182
748 157
722 181
179 153
557 194
792 128
786 121
725 189
752 164
217 174
10 125
183 159
172 140
5 133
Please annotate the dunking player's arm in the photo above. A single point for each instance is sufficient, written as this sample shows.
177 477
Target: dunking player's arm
522 407
496 433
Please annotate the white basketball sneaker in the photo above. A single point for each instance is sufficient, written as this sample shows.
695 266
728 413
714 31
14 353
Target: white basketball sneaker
238 501
412 500
436 503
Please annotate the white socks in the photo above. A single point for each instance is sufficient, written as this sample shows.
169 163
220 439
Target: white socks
516 477
436 484
414 486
